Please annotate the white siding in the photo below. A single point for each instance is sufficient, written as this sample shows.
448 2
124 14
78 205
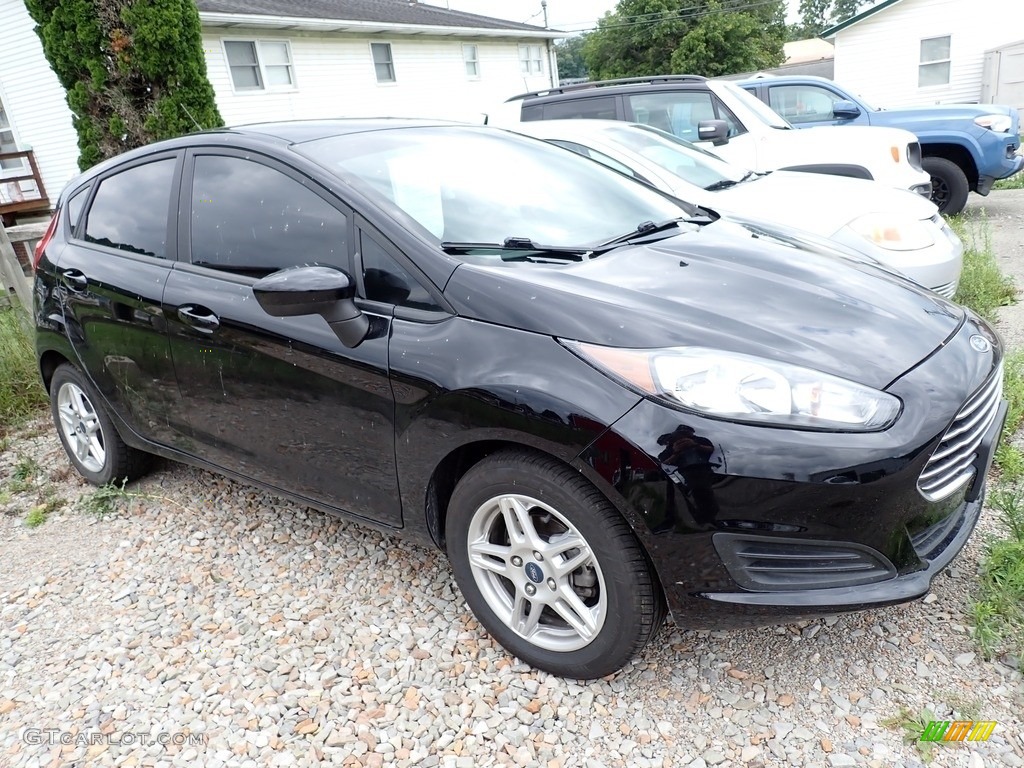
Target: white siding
334 77
879 56
34 100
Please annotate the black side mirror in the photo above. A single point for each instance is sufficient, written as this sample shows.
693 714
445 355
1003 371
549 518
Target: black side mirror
323 291
845 110
715 131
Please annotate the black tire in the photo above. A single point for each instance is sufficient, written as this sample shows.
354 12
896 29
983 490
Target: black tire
949 184
622 589
119 461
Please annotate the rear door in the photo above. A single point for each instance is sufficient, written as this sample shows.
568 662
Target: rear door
278 400
112 275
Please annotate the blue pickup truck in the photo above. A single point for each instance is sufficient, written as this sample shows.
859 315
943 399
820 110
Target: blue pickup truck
965 147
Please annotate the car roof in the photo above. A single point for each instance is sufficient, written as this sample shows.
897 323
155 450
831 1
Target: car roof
779 79
284 132
621 84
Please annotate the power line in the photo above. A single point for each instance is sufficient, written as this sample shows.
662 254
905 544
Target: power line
641 20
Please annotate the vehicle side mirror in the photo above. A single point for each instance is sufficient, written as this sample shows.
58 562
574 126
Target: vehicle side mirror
715 131
845 110
323 291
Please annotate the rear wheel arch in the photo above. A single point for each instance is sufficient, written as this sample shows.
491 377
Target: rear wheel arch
49 361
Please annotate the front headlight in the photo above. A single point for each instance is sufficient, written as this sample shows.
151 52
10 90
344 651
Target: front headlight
740 387
997 123
894 233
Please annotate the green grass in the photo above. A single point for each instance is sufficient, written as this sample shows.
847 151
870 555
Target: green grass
912 724
21 391
983 287
1014 182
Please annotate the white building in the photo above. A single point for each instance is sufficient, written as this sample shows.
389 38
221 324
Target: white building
292 59
920 52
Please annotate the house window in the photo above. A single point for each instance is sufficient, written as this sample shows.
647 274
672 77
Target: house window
383 63
934 66
531 59
471 56
257 65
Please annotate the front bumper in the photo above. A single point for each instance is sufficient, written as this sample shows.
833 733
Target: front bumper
1010 164
856 493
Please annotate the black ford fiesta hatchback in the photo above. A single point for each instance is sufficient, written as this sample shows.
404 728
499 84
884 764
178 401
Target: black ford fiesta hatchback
600 402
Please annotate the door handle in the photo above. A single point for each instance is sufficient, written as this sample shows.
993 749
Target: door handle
75 280
199 318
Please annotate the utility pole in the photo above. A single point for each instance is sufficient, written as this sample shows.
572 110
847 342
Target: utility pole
544 7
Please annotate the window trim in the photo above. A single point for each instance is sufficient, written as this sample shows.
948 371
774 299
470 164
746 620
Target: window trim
475 61
77 235
391 62
184 204
528 62
947 61
264 86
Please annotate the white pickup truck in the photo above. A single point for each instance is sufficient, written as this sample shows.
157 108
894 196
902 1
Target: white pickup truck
741 128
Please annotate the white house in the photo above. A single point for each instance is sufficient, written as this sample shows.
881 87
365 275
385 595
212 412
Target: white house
920 52
291 59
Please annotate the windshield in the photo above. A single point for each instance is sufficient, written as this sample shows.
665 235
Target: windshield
483 185
680 158
755 105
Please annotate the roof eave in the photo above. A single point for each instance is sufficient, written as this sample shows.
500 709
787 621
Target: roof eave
258 21
831 31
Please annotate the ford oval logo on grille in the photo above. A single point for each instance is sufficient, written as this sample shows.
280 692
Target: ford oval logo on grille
980 344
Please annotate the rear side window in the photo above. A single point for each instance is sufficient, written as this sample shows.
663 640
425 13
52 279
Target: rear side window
251 219
75 205
129 211
598 108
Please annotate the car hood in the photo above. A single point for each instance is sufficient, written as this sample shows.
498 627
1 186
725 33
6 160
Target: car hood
731 285
818 202
938 113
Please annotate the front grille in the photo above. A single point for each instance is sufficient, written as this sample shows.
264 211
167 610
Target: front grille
914 155
947 290
773 564
951 466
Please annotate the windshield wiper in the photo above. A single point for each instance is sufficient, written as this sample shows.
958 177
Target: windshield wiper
644 229
726 183
570 253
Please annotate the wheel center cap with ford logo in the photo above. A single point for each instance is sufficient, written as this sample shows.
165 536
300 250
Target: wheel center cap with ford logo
534 573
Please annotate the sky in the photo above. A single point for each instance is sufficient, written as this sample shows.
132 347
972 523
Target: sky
570 15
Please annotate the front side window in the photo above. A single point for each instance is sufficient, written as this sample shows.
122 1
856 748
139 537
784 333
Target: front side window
383 63
471 57
680 112
385 280
257 65
252 220
531 59
474 185
802 103
129 211
934 66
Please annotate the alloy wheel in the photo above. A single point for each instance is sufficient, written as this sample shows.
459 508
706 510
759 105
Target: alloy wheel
537 573
81 426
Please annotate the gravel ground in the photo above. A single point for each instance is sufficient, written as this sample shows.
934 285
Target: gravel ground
264 634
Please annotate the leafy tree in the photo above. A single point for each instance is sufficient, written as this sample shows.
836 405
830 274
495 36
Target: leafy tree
724 43
818 15
570 57
712 37
134 70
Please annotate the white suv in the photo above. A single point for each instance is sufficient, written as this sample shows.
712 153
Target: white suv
742 129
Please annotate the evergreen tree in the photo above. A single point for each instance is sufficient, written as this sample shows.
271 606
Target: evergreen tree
134 70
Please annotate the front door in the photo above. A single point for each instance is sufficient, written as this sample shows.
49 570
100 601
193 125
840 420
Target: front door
278 400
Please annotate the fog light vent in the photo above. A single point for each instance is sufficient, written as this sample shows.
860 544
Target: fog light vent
774 564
